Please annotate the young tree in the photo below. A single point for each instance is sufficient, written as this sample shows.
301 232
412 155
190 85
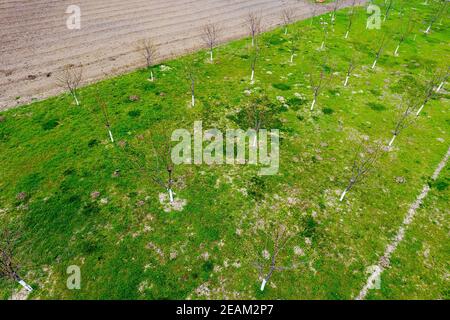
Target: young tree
404 120
405 32
150 51
335 9
156 164
254 59
275 244
253 22
8 266
430 88
443 80
351 67
191 75
211 33
104 110
439 12
317 84
388 4
288 16
293 44
381 46
363 162
351 16
70 79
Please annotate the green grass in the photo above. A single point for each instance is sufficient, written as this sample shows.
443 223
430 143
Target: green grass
58 153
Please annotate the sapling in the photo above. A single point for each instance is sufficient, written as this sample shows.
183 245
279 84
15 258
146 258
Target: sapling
8 266
443 80
351 67
254 59
104 109
430 89
388 4
150 52
317 85
324 33
191 75
407 29
274 247
404 120
253 22
351 15
439 12
363 162
379 52
70 79
287 15
293 44
210 36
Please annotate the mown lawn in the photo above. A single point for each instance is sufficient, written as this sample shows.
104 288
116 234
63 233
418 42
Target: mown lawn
128 247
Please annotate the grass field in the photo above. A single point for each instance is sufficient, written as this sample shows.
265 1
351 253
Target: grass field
55 154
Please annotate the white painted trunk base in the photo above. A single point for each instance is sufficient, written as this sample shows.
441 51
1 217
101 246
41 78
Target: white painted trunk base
374 64
313 104
346 81
193 101
263 284
343 195
420 109
346 34
396 51
392 140
170 195
76 99
253 76
111 136
440 86
25 285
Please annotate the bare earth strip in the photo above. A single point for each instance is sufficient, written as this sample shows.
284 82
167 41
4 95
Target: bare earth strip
386 258
36 44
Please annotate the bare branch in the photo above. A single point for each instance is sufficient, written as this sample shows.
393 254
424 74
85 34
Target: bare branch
70 79
253 22
210 36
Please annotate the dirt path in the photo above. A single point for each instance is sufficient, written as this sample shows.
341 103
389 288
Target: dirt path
36 44
385 260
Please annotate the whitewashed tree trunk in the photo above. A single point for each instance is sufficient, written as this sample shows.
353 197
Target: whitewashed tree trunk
322 45
313 104
151 76
211 56
396 50
263 284
343 194
170 195
253 76
286 31
292 58
346 81
420 109
440 86
76 99
392 140
428 29
374 63
346 34
25 285
111 136
193 100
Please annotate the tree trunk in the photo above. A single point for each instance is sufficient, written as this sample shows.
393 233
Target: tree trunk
313 104
151 76
253 76
346 80
25 285
322 45
170 195
392 140
428 29
211 56
286 31
396 50
111 136
263 284
440 86
346 34
374 64
420 109
76 99
193 100
292 58
343 194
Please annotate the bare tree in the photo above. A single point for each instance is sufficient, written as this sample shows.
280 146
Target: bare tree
254 59
274 246
335 9
104 110
293 44
150 51
191 75
9 268
381 46
287 15
405 119
439 12
158 163
351 15
405 32
317 84
363 162
70 79
351 67
431 86
443 80
210 36
388 4
253 22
